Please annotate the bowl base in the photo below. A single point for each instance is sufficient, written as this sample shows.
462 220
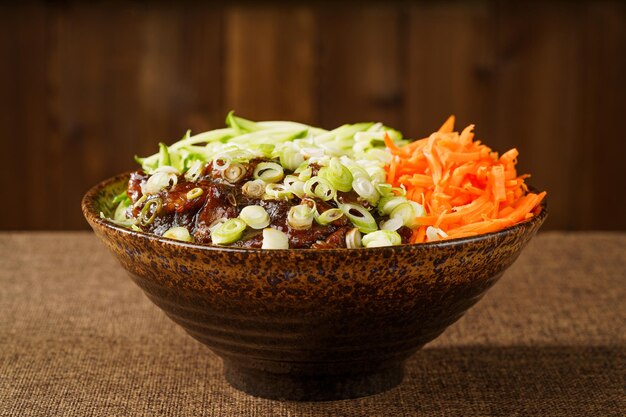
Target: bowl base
291 387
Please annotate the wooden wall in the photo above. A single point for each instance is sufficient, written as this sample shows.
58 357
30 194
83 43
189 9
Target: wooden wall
86 86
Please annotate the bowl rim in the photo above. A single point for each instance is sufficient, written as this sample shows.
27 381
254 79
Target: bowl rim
93 217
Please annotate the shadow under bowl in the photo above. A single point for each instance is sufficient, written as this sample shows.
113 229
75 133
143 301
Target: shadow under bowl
310 325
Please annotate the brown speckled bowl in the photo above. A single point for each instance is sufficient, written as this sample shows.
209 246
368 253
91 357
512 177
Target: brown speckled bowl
310 324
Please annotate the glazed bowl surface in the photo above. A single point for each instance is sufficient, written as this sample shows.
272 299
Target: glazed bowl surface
303 324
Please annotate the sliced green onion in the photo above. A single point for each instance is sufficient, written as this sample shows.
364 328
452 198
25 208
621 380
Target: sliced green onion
301 217
435 233
388 203
408 212
255 216
228 232
365 189
320 188
141 200
234 172
418 211
278 191
220 164
404 212
293 184
217 222
304 165
178 233
358 172
150 211
360 217
377 174
392 224
381 238
195 171
194 193
274 239
329 216
269 172
353 239
337 175
291 157
160 180
254 189
379 155
387 190
305 175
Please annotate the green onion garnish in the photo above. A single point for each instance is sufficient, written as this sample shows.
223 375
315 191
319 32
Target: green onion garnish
301 217
348 158
365 189
274 239
291 157
305 174
329 216
435 233
195 171
320 188
353 238
194 193
255 216
294 185
278 191
360 217
254 189
228 232
162 178
388 203
178 233
337 175
269 172
381 238
234 172
150 211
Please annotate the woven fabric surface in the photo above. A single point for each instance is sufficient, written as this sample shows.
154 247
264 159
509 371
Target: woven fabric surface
78 338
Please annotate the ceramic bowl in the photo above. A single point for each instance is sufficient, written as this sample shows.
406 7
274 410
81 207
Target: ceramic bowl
310 324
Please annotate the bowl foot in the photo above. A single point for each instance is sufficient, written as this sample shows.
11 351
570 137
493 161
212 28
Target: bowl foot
296 387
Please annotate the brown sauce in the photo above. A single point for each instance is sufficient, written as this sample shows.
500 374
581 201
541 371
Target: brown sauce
223 199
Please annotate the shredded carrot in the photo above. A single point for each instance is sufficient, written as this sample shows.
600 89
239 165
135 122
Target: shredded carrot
448 125
464 186
418 235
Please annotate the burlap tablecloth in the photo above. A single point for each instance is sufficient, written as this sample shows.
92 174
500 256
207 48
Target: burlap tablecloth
77 338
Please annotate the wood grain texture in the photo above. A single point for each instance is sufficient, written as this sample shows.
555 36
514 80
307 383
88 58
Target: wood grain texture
84 87
537 104
361 59
602 139
450 56
181 72
270 62
93 78
24 123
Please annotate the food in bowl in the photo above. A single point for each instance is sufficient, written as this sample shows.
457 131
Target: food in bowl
325 323
281 185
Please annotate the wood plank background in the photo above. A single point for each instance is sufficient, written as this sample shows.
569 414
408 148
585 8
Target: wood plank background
86 86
